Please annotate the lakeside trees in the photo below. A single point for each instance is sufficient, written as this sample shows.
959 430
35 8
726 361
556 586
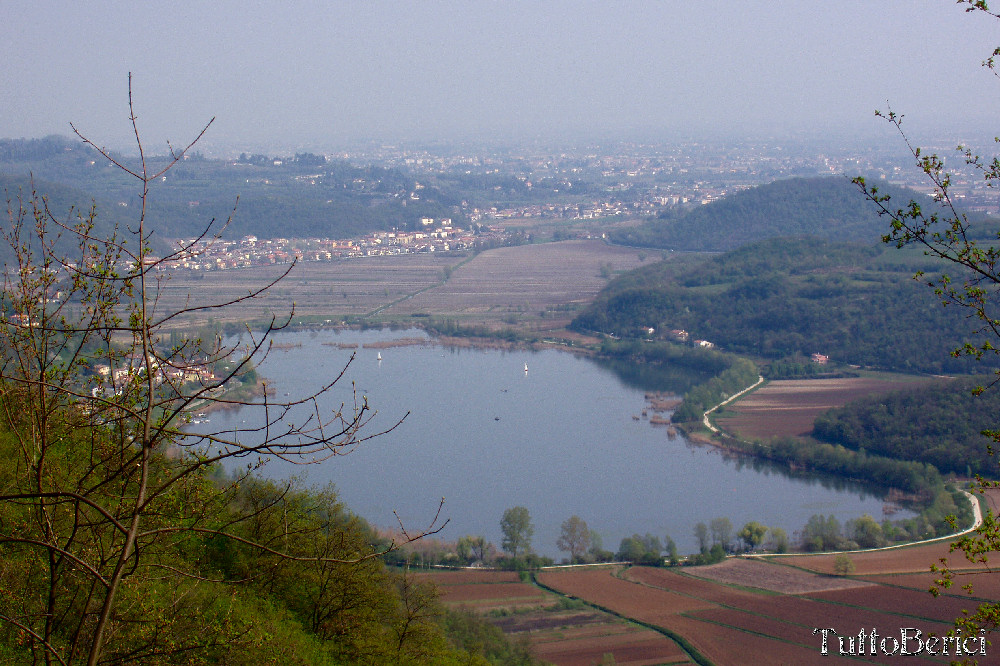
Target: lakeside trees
517 531
574 537
752 535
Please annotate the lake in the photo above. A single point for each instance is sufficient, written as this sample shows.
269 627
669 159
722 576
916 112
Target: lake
560 439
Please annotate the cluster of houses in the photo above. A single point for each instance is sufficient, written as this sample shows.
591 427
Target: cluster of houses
680 335
219 254
112 379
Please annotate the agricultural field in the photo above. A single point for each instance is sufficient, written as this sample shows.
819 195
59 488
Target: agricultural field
560 632
741 611
524 281
499 286
788 407
330 289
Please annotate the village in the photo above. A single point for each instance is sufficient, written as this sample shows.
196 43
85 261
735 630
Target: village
221 254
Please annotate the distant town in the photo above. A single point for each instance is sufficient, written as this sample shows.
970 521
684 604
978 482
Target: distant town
221 254
510 188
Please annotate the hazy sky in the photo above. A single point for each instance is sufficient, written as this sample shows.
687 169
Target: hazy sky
318 73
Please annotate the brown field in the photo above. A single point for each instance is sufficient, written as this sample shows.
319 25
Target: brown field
676 607
985 584
898 560
332 289
564 637
585 646
487 594
789 407
900 601
739 612
521 282
755 573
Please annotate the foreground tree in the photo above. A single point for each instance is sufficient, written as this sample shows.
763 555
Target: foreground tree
945 232
843 565
108 487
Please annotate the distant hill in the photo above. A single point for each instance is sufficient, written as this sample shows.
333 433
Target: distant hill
829 207
301 195
65 203
781 297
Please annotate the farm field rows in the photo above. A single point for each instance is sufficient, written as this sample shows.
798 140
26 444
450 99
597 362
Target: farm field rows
520 281
722 613
574 636
788 407
555 278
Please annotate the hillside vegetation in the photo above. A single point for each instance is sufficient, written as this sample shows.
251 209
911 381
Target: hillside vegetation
235 603
857 304
830 208
940 425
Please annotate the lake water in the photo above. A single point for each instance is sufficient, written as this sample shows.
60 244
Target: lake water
559 439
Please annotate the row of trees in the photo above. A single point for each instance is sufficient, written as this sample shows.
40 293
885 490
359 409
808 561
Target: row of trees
715 540
720 538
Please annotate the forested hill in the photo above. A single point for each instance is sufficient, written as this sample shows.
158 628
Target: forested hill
293 196
830 207
939 424
857 304
66 204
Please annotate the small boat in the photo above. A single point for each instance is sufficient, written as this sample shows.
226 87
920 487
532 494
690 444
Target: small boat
379 357
525 367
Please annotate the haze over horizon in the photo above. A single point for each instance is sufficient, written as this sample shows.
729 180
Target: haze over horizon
318 75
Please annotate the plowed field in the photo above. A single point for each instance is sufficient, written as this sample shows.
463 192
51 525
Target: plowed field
732 622
564 637
520 282
788 407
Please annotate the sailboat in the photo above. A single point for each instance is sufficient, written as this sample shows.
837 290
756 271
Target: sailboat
525 367
379 357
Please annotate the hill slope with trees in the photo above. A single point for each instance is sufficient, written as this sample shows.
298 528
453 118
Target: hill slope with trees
831 208
857 304
939 424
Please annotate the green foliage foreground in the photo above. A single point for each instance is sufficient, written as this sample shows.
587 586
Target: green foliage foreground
325 599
